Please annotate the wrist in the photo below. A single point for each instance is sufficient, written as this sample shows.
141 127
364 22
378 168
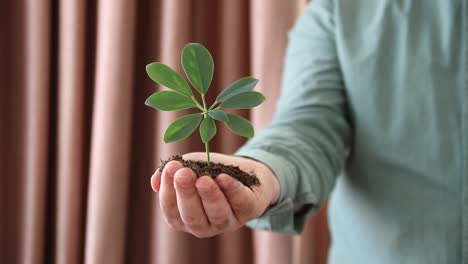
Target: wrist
273 188
270 183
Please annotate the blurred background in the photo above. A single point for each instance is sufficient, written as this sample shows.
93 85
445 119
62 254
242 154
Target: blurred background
78 145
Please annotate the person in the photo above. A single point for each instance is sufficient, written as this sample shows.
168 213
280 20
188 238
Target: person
373 114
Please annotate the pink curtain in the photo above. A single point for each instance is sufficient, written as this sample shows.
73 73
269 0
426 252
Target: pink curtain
78 145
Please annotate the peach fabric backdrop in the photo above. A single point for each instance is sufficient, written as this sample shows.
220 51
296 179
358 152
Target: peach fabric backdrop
78 145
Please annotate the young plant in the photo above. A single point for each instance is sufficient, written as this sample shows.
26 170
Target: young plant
199 66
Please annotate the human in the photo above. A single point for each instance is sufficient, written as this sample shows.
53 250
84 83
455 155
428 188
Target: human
373 115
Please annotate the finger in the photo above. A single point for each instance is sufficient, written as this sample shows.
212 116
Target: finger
216 206
190 207
156 180
240 197
167 196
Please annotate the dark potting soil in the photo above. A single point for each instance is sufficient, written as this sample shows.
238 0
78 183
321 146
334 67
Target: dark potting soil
201 168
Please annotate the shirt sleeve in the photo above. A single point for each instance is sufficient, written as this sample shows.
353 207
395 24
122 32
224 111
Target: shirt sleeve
307 142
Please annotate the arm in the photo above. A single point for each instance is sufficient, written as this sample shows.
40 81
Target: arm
306 143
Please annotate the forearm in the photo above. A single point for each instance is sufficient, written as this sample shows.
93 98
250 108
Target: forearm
308 139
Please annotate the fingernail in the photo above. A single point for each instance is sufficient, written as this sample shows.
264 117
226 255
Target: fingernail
172 167
205 186
155 186
184 181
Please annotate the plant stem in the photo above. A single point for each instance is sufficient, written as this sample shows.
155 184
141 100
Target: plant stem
197 104
204 102
207 147
213 105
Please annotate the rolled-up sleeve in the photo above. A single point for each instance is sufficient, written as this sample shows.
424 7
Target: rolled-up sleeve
306 143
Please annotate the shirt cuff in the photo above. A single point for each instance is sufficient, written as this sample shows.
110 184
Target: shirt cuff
280 217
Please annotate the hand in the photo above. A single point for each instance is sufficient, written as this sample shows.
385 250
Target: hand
205 207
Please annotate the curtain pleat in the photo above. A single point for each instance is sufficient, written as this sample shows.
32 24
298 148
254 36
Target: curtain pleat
141 226
12 134
111 133
36 66
78 145
71 140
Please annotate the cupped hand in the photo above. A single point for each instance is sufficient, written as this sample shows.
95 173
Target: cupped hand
206 207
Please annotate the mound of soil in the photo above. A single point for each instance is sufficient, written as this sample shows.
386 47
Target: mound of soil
201 169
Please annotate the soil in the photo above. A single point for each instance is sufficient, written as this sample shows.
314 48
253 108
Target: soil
201 168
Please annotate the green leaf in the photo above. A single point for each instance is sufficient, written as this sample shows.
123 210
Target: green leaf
240 126
165 76
218 115
244 100
169 101
207 129
182 127
198 66
240 86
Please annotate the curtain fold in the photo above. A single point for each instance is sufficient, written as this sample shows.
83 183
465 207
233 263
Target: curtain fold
78 145
37 73
111 133
12 135
72 139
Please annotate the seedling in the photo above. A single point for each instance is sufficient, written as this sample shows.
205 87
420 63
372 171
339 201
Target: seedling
198 67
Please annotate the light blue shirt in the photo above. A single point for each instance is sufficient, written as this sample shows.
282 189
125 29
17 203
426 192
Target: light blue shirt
375 91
